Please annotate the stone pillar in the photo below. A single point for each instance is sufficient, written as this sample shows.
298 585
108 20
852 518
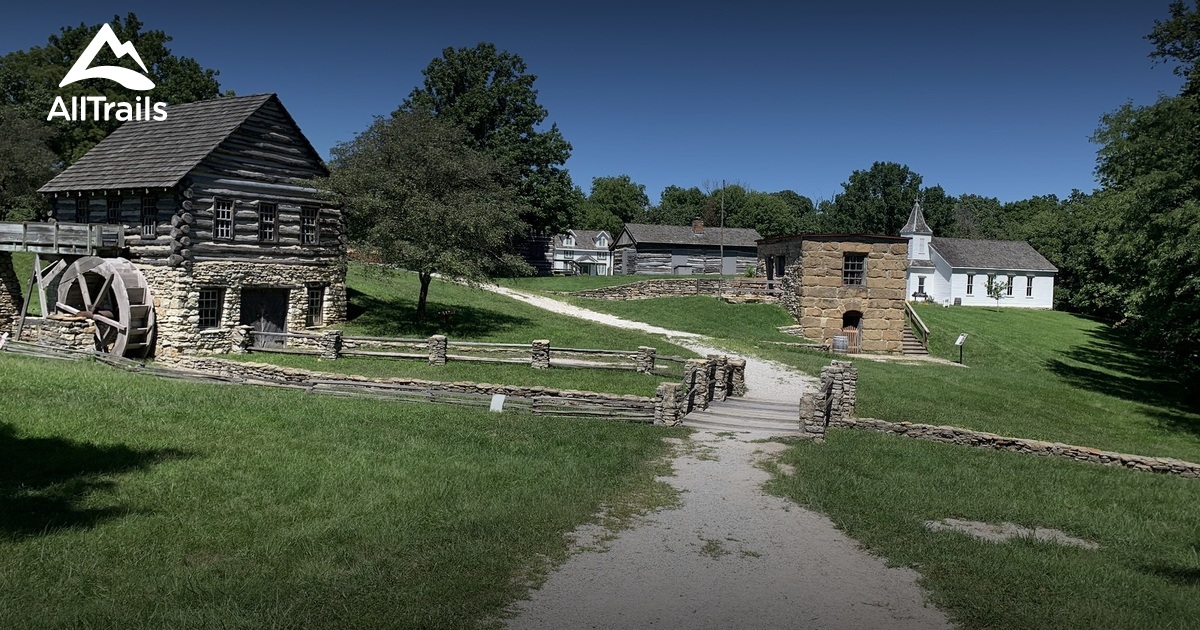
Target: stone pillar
666 405
540 358
330 344
645 359
812 414
737 377
704 383
693 369
721 378
437 350
240 339
849 383
10 294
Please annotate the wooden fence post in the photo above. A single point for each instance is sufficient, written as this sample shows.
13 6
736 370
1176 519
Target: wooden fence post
540 357
645 359
437 350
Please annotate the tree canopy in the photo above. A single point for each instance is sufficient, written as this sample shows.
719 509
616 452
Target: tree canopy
26 162
490 95
420 196
29 80
613 202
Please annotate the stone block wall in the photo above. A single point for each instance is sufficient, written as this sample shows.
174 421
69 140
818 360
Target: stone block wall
834 400
817 297
10 294
645 289
176 293
65 331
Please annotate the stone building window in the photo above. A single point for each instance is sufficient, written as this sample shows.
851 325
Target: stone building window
316 307
81 210
970 284
149 217
854 267
268 215
308 225
223 219
114 211
211 299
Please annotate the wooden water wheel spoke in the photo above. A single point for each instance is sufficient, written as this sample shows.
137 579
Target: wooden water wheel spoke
115 296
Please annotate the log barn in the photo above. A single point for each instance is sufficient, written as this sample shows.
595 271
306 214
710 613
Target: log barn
684 250
178 236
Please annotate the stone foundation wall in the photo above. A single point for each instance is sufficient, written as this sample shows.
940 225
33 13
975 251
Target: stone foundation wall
176 293
644 289
10 294
65 331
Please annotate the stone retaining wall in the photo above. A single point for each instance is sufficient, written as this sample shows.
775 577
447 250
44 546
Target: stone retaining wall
63 331
983 439
10 293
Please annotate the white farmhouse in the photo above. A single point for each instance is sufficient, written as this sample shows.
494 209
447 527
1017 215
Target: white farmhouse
956 270
583 252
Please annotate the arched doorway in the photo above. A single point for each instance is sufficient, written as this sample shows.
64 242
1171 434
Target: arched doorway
852 328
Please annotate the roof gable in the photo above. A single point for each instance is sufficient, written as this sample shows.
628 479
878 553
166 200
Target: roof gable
916 221
159 154
998 255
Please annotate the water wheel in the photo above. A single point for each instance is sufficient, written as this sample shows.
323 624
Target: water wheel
115 296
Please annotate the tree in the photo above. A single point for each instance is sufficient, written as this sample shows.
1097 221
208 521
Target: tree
1178 39
978 217
490 95
29 80
995 289
419 195
876 201
767 213
677 206
26 162
620 196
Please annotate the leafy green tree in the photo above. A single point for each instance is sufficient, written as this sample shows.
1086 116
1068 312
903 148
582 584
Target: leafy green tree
995 288
677 206
1178 40
490 94
421 196
978 217
768 213
876 201
26 162
29 80
620 196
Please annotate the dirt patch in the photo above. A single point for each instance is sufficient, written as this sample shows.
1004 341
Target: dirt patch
1003 532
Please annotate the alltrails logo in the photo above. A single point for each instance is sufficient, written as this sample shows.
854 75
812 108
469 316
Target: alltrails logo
98 106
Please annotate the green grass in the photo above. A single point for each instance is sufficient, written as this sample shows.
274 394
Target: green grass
133 502
880 489
588 379
1036 374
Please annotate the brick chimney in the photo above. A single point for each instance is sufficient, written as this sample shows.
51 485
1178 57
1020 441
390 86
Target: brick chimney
698 226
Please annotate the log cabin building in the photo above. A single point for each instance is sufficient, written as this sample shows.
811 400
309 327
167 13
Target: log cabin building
215 225
684 250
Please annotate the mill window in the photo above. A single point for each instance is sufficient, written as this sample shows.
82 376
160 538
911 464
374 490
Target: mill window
308 225
854 267
81 210
223 219
268 215
316 307
211 299
149 217
114 211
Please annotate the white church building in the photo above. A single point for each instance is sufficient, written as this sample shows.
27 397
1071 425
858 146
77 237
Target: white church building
955 271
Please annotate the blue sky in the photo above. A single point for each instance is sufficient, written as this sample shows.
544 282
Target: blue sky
997 100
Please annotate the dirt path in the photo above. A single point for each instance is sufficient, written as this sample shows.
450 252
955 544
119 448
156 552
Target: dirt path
730 555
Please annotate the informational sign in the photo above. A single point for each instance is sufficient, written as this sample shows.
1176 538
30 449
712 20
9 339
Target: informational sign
497 402
961 339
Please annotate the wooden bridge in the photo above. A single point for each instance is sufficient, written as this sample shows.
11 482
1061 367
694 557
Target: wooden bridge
62 239
748 415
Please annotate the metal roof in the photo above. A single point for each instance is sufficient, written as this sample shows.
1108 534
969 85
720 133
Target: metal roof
158 154
643 233
967 253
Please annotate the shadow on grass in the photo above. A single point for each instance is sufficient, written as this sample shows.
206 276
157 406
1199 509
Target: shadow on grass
397 317
1111 363
1187 576
44 482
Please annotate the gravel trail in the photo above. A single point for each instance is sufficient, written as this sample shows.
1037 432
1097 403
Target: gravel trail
730 555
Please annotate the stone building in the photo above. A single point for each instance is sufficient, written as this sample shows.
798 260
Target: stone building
193 227
841 285
683 250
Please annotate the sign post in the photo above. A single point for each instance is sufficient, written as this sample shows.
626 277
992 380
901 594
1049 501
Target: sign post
962 339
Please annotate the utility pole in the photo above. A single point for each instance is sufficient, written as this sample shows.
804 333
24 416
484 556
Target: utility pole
721 237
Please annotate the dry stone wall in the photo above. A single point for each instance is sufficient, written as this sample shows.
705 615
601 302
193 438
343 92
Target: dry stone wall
10 293
645 289
64 331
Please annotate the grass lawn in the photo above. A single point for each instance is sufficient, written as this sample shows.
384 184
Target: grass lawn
133 502
880 489
1035 374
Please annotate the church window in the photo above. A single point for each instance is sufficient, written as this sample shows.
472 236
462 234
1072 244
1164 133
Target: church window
1009 289
1028 286
970 284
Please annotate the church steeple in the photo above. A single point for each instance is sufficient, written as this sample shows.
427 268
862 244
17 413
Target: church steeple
918 234
916 222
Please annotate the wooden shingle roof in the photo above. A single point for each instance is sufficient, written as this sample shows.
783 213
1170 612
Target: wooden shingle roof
158 154
967 253
643 233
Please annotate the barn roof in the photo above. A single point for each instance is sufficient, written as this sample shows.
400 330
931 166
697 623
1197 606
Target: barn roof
158 154
1000 255
643 233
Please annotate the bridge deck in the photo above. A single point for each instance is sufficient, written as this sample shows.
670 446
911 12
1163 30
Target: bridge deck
81 239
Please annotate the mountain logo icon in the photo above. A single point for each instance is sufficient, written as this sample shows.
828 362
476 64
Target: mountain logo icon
126 77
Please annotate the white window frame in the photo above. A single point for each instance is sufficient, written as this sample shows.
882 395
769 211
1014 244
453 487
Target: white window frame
970 284
1029 286
223 225
149 217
